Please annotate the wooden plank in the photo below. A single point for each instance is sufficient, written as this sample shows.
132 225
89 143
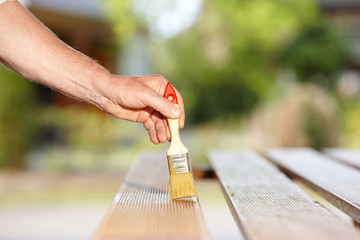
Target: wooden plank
142 209
350 157
267 205
336 182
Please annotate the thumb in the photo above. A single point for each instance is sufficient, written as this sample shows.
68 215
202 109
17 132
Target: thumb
164 106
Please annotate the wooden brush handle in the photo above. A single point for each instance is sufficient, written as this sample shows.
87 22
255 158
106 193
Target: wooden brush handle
174 130
176 145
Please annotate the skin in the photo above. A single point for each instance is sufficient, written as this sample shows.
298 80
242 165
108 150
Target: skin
32 50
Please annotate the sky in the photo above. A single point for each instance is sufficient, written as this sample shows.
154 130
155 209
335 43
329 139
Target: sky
168 18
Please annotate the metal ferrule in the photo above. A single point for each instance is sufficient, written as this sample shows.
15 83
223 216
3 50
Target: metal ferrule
179 163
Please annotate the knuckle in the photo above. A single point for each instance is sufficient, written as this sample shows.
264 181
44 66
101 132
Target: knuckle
159 77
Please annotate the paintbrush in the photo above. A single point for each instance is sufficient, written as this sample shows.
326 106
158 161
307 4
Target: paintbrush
181 181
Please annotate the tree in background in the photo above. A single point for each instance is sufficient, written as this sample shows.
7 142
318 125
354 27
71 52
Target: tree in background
317 55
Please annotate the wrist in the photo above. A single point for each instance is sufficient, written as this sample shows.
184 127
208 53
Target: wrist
98 92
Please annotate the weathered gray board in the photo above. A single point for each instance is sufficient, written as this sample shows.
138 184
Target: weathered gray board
336 182
267 205
347 156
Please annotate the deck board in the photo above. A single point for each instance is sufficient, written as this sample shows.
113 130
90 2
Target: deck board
267 205
142 208
347 156
336 182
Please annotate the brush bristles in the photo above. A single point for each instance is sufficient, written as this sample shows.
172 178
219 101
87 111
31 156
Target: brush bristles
182 185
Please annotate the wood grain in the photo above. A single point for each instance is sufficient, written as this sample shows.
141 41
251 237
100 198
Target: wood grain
267 205
347 156
336 182
142 209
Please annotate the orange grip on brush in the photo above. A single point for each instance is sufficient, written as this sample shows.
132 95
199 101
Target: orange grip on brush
170 94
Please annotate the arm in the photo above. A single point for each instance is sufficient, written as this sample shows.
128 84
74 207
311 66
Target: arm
33 51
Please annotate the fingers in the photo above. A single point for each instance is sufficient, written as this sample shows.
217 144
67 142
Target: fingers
150 127
157 128
160 127
162 105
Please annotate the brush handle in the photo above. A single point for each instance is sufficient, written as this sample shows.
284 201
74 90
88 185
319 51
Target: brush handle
176 145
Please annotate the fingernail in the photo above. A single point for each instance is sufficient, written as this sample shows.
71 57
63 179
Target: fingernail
176 111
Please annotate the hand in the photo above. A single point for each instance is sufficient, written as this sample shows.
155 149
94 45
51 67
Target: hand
140 99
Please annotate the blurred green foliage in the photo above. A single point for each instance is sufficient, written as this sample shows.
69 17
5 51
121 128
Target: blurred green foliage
351 126
87 139
124 21
86 128
317 54
224 64
227 61
17 118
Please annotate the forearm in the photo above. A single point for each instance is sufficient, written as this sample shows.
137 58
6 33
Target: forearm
30 49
